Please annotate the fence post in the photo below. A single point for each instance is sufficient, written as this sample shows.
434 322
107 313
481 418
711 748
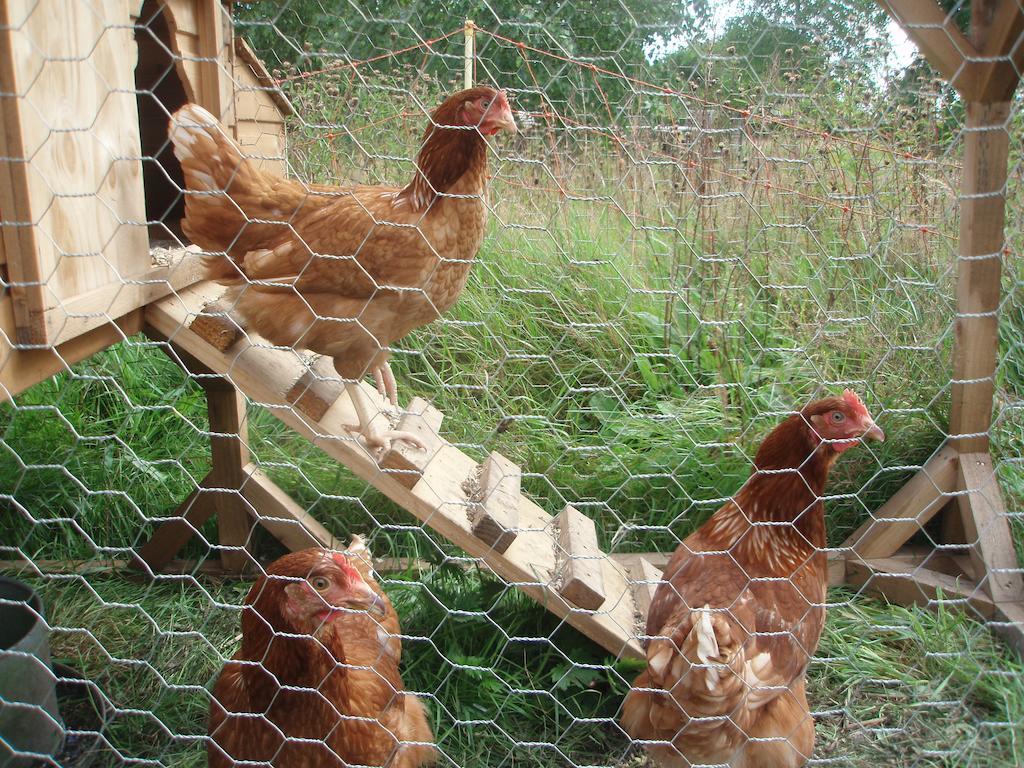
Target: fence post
470 53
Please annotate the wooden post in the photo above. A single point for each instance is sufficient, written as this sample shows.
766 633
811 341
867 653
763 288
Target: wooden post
229 446
470 53
220 492
983 67
982 213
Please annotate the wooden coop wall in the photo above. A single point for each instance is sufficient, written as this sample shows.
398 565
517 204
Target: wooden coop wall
91 126
77 198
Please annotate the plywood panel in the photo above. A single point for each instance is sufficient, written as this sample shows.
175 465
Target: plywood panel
185 18
80 188
264 145
253 100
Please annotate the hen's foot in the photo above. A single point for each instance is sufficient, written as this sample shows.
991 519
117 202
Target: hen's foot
379 441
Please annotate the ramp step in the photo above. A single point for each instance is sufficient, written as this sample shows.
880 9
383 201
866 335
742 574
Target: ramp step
494 515
404 462
316 389
582 576
214 326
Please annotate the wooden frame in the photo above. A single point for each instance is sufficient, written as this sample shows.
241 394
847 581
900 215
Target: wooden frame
960 477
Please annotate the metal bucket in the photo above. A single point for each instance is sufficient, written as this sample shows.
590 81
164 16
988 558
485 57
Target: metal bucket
29 720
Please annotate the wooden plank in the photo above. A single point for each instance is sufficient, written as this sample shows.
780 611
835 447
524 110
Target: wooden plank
581 579
982 215
406 463
172 535
82 187
440 499
23 275
217 56
647 588
264 143
987 529
316 389
907 584
997 27
909 509
24 368
938 38
215 326
495 512
229 447
278 513
95 308
184 13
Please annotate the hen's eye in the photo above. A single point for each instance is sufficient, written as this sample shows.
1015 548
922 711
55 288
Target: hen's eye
485 103
320 583
838 416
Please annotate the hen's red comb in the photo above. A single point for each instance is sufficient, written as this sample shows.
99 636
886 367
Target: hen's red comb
349 570
853 400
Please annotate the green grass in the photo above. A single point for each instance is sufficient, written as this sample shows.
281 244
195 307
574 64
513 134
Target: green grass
629 347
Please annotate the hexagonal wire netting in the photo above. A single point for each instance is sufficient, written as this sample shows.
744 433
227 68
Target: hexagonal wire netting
712 213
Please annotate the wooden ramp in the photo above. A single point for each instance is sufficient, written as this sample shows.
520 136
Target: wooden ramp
479 508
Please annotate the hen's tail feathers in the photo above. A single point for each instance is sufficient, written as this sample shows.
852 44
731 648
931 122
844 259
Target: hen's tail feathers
691 672
230 200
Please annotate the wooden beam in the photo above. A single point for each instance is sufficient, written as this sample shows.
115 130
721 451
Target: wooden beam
215 87
997 31
18 232
181 525
938 38
582 578
982 214
987 529
909 509
229 447
276 511
906 583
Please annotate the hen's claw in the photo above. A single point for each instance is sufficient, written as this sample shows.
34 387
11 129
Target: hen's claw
386 384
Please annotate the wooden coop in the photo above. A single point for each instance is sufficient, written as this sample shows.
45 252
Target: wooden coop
85 105
83 270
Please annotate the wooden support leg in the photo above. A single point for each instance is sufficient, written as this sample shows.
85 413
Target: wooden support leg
229 445
909 509
235 490
220 492
986 529
171 536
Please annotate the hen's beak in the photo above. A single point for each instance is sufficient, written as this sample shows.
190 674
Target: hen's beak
874 432
502 120
362 598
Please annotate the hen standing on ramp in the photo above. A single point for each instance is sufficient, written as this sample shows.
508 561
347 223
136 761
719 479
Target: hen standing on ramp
741 605
343 271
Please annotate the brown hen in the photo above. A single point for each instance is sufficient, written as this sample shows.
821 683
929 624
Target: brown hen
740 609
316 682
343 271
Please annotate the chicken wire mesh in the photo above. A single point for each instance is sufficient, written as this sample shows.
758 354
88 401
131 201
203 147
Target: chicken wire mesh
710 215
